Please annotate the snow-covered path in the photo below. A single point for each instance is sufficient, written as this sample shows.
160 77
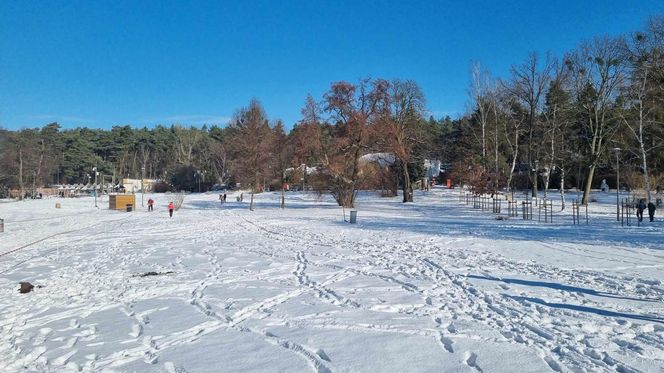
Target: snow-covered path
429 286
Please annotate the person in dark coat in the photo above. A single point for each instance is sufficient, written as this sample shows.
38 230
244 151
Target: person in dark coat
639 209
651 211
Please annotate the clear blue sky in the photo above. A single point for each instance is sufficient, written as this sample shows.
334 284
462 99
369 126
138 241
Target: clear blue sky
105 63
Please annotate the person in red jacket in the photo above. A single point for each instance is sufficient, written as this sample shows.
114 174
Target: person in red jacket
150 204
171 207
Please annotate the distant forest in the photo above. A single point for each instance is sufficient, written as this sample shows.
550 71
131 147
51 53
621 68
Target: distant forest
552 122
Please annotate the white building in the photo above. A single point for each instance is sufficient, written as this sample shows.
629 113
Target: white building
134 185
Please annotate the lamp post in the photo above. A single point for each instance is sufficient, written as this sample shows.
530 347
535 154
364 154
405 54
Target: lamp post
535 177
94 190
617 151
142 187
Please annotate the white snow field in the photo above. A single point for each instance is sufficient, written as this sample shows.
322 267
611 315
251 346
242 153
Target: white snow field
432 286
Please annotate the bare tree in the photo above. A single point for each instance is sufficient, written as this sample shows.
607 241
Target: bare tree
305 140
643 97
220 161
186 141
145 153
512 115
556 120
398 126
480 95
597 72
353 108
281 155
528 84
251 141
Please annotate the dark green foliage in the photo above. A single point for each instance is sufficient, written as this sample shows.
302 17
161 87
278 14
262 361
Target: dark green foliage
162 187
185 178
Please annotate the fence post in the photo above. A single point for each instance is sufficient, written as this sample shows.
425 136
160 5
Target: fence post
539 212
523 210
527 210
496 205
516 209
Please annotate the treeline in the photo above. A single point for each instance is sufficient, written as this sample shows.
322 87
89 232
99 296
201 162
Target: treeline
596 108
322 150
553 122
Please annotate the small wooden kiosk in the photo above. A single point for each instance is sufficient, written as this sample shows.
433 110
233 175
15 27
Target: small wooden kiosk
122 202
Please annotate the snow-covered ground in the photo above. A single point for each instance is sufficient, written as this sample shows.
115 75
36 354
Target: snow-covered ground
431 286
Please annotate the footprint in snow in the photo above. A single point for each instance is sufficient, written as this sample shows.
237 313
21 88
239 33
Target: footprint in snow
471 360
71 342
136 330
74 324
41 337
447 344
323 355
150 358
62 360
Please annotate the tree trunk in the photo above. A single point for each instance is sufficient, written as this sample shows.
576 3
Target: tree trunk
283 198
646 177
304 176
533 183
644 159
483 141
42 150
515 155
562 189
407 185
552 157
512 167
589 183
251 202
20 174
495 148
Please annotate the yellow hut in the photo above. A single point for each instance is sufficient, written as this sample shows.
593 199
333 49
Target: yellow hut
122 202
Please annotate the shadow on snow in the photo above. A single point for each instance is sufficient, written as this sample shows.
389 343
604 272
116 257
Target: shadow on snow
562 287
596 311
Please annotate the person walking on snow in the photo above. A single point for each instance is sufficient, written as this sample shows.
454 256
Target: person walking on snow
639 209
651 211
171 207
150 204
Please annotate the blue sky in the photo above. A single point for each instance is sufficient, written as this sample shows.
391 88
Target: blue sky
105 63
